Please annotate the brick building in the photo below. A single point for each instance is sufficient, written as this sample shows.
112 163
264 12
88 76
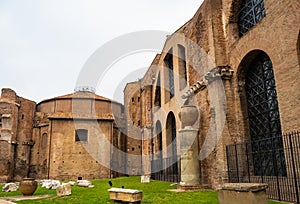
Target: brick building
238 62
66 137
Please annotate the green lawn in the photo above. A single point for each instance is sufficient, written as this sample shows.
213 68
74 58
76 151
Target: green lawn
154 192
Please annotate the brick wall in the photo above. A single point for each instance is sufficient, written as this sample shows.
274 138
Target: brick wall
212 40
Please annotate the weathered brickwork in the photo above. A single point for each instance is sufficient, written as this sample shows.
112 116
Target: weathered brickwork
210 60
39 141
211 39
134 145
15 135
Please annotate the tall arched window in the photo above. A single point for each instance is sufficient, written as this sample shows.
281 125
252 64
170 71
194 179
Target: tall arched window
171 134
158 130
157 99
158 145
251 12
264 118
182 67
169 63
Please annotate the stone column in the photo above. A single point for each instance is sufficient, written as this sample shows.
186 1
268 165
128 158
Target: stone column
190 170
189 153
146 163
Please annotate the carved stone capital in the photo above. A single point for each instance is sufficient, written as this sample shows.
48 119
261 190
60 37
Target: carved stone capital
226 72
217 73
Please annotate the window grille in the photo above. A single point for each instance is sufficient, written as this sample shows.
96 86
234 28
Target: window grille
264 119
251 13
169 61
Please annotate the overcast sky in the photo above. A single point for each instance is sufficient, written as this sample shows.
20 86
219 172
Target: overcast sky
45 43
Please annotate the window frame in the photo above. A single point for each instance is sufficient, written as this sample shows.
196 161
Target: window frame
81 135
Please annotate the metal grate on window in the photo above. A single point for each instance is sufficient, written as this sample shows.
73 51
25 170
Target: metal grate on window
264 119
251 13
169 61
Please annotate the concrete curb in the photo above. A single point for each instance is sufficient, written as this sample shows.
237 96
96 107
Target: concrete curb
5 202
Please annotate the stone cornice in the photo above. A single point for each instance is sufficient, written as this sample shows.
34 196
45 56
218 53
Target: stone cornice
220 72
70 116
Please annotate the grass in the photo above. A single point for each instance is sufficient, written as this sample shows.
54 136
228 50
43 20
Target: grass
154 192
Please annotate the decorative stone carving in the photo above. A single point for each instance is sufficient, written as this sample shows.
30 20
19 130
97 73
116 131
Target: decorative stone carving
226 72
220 72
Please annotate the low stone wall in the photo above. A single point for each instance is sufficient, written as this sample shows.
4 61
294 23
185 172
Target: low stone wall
236 193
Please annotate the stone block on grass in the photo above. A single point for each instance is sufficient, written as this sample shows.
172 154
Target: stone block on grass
50 184
84 183
64 190
236 193
125 195
10 187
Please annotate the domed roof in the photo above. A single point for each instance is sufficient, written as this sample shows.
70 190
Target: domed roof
79 95
82 94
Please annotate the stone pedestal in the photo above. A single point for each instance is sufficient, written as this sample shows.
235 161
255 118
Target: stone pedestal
190 170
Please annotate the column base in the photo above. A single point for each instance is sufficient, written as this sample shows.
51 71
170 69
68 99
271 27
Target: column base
184 187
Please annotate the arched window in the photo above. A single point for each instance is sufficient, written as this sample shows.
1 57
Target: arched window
169 63
251 12
182 67
44 140
264 118
157 100
171 135
158 130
